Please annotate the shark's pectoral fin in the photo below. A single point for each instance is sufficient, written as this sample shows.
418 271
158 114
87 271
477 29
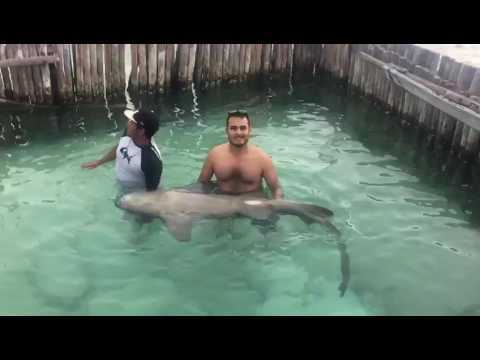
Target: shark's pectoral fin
180 226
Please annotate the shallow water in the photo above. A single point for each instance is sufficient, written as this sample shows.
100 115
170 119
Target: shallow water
66 249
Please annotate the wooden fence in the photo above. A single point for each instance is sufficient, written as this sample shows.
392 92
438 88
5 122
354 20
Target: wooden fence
435 93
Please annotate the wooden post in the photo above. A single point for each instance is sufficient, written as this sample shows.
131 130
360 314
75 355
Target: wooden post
266 58
475 85
15 76
454 70
212 65
219 62
86 70
133 83
23 52
47 86
108 71
235 61
22 75
465 77
93 71
225 62
169 65
192 50
253 60
232 58
100 72
181 66
5 74
31 51
60 74
242 59
142 68
152 63
67 69
161 51
206 62
197 71
121 68
77 57
115 73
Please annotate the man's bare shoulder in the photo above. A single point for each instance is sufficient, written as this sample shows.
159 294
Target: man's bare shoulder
218 149
260 153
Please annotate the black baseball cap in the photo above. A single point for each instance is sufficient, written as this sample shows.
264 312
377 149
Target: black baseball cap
144 119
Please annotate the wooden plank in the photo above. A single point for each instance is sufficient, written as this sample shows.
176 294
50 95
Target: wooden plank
14 74
5 73
225 61
121 68
93 70
248 59
37 75
197 71
2 87
459 112
59 72
253 60
47 86
78 71
23 53
24 91
213 63
266 53
29 61
207 70
465 77
152 67
181 66
192 50
142 68
169 65
116 87
231 62
238 61
87 76
161 57
241 63
219 64
234 57
108 70
133 83
259 58
475 85
290 57
100 71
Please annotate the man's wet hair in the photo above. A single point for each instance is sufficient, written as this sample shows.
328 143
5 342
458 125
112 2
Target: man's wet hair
237 113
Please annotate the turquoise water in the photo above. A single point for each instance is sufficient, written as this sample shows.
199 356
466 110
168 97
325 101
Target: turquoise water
66 249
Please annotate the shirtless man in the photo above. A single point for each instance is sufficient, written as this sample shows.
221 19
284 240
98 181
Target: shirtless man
239 167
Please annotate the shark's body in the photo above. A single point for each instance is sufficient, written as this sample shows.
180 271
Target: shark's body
179 209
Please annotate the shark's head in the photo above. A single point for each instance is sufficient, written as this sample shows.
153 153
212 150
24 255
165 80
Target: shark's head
139 202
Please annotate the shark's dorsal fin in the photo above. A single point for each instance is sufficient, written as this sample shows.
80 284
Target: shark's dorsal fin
180 226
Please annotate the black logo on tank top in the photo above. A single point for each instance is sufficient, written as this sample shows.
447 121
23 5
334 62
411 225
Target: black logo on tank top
124 152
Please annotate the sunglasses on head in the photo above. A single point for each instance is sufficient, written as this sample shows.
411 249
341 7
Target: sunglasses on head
138 124
238 113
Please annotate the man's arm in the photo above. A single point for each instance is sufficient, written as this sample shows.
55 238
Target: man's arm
207 170
110 156
271 177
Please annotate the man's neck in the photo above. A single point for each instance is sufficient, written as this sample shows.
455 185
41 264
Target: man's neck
238 149
141 141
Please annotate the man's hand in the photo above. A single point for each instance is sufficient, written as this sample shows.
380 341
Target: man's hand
91 164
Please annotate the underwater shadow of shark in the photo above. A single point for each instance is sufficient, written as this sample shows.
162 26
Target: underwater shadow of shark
180 209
